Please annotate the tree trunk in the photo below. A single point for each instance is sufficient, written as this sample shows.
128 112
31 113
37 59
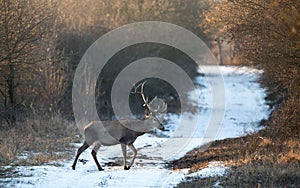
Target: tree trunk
221 61
12 93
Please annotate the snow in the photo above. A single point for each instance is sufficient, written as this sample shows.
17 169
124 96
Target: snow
215 168
244 108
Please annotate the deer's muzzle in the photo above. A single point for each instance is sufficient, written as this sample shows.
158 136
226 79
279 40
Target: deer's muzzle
161 127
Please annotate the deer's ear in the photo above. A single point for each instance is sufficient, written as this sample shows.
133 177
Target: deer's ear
147 116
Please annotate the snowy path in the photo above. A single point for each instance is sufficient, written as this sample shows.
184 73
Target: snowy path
245 107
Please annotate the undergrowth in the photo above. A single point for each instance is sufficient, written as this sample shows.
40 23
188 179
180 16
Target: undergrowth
37 141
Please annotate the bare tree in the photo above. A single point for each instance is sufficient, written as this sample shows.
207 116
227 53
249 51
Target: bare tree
25 26
266 33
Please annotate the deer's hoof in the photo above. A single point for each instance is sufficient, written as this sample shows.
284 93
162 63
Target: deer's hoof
101 169
126 167
73 167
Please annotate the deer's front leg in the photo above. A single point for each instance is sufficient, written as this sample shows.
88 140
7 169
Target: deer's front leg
134 155
124 156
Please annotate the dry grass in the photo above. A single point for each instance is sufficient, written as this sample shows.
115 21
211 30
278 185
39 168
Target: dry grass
252 175
35 142
255 161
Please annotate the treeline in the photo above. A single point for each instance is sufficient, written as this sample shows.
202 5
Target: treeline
266 34
28 57
41 43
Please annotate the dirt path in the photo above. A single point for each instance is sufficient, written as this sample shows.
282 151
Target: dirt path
245 107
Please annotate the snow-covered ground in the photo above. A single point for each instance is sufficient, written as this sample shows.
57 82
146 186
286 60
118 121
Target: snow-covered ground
244 108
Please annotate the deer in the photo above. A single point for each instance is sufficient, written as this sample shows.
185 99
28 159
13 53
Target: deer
123 132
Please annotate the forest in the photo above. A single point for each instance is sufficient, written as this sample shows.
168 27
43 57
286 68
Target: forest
42 42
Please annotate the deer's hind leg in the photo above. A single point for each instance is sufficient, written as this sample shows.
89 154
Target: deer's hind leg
80 150
94 154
